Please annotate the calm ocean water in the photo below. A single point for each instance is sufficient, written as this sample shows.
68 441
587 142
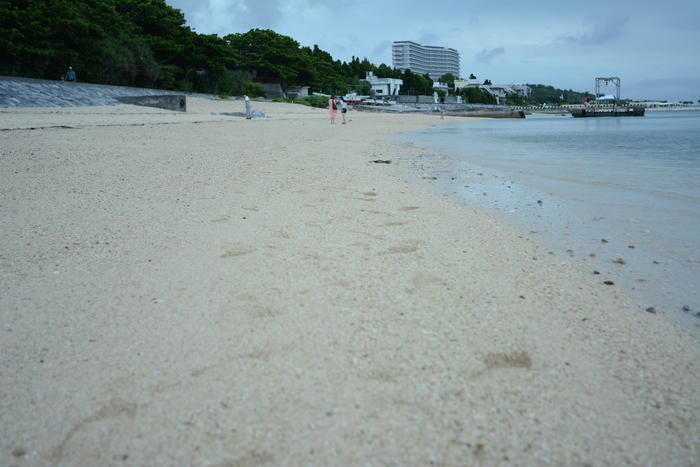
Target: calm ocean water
595 188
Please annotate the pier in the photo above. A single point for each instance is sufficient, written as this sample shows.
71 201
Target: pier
617 111
608 109
592 110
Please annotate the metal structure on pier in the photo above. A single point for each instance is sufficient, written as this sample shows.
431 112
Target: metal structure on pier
615 110
597 109
607 80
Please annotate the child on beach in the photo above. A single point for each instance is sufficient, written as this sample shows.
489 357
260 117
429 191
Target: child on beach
332 108
343 109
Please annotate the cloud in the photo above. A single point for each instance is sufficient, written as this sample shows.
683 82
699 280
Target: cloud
269 12
382 49
596 32
229 16
472 21
487 55
674 87
428 38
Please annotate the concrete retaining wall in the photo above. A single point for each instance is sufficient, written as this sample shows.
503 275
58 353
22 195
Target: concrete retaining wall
423 99
30 92
168 102
415 99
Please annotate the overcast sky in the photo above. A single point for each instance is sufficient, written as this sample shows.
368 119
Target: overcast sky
652 45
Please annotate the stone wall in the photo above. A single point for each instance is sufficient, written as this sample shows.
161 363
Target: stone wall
177 102
29 92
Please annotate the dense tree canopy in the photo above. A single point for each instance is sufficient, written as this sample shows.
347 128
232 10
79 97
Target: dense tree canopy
138 42
146 43
475 95
448 79
542 94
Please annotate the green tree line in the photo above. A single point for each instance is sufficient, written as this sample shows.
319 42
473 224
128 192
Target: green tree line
146 43
543 94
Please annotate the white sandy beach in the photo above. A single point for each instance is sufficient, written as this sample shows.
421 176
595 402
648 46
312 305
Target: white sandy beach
197 289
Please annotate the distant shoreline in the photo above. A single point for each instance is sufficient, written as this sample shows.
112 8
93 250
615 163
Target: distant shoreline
674 108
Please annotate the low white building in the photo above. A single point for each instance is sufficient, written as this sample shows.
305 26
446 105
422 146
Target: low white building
384 86
438 86
465 83
521 89
499 91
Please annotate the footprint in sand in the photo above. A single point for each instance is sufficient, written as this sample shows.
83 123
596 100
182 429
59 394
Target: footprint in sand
507 360
238 251
408 247
393 224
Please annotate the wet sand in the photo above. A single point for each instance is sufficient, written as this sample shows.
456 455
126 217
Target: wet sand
197 289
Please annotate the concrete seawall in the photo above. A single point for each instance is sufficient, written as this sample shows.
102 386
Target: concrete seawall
29 92
177 102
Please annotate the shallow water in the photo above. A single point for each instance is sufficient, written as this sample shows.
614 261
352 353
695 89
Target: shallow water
601 189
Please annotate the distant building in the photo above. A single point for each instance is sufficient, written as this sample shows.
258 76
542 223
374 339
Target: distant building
499 91
521 89
467 83
384 86
422 59
438 86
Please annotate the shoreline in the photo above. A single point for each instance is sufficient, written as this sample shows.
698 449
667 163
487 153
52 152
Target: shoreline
556 220
197 289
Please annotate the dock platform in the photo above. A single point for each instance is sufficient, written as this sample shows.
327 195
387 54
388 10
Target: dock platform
623 111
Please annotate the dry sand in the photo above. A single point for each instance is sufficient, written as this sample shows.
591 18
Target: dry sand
195 289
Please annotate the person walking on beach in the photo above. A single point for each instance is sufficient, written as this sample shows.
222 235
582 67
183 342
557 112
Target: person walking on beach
70 74
332 108
442 108
248 113
343 109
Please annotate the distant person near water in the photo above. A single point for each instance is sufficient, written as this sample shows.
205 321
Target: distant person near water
248 112
343 109
442 108
70 74
332 108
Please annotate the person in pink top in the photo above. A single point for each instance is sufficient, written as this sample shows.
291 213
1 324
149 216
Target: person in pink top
332 108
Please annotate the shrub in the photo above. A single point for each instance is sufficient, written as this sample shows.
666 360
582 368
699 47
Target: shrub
254 89
222 81
313 101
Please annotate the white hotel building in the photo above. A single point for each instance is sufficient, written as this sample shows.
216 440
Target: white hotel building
422 59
